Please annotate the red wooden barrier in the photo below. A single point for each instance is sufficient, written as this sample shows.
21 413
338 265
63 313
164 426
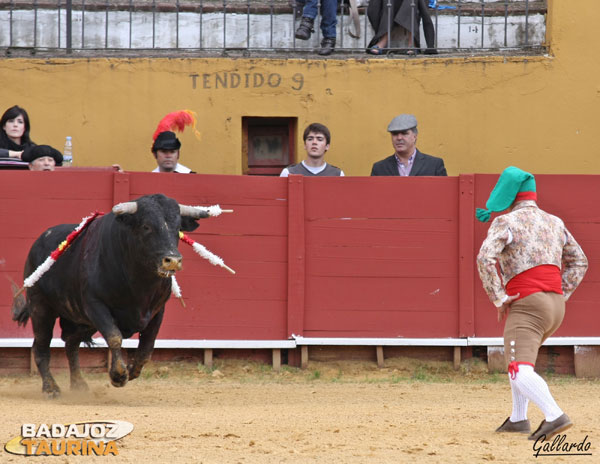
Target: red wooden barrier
318 257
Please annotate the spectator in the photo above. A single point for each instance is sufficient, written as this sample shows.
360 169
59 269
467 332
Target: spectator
407 160
316 143
328 23
166 152
42 158
404 15
14 136
541 265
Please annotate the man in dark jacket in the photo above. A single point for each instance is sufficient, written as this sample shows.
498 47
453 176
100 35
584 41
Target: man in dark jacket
407 160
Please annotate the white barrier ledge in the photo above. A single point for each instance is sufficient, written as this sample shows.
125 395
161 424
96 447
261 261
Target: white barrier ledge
379 341
552 341
133 343
308 341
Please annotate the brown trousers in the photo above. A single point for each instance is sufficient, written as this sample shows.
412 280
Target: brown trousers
530 321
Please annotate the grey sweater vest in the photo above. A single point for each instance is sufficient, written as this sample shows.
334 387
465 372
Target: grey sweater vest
300 169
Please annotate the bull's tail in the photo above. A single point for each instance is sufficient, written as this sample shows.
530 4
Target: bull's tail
20 309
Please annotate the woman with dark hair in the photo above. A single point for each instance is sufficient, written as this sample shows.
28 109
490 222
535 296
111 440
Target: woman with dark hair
14 136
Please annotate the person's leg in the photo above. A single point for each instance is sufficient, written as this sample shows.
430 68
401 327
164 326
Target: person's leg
328 26
534 388
532 320
309 13
519 404
310 9
517 421
329 18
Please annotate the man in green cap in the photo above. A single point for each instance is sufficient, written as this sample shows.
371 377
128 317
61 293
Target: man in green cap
541 265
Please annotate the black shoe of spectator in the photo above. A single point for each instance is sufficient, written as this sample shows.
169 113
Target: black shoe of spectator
305 29
327 46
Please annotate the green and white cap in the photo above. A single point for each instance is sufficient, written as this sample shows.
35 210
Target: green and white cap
512 182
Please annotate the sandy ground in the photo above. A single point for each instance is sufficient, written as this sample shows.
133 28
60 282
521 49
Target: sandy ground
344 412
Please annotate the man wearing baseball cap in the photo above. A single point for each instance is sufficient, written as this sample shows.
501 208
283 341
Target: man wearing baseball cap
407 160
166 152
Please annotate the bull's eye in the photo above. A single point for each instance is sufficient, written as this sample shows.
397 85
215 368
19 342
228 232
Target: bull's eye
146 228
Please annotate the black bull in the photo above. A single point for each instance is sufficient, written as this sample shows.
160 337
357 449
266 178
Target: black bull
114 278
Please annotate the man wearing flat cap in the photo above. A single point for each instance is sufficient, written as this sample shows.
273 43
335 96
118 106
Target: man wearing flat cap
407 160
166 152
42 158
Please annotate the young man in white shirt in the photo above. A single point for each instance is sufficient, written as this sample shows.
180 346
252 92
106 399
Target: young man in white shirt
317 139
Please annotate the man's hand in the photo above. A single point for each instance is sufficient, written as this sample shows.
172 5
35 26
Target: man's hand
503 310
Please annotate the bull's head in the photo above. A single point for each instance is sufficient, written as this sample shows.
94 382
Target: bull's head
155 222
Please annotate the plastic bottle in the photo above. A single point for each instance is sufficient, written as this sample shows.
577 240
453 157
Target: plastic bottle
68 153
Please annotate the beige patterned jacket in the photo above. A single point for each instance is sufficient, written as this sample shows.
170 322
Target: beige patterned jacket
525 238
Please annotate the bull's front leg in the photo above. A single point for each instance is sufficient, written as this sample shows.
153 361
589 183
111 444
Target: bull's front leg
103 321
145 346
118 367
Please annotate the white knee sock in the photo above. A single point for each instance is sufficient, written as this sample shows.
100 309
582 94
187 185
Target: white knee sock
534 388
519 403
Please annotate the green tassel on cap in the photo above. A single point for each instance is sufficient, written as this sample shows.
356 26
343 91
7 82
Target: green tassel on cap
483 214
512 181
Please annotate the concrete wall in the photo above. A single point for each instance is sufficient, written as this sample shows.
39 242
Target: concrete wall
480 113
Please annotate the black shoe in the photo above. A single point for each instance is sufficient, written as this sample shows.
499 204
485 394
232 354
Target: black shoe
519 427
327 46
305 29
549 429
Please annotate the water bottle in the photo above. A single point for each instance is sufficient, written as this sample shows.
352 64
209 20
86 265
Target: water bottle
68 153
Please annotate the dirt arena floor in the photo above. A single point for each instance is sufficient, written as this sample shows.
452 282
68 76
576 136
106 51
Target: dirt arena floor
335 412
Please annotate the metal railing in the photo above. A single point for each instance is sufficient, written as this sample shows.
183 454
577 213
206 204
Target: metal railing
264 26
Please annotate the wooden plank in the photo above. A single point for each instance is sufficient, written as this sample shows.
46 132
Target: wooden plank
207 189
496 362
276 359
296 257
32 365
587 361
231 320
379 354
394 324
361 197
208 358
120 187
456 360
466 259
303 356
381 294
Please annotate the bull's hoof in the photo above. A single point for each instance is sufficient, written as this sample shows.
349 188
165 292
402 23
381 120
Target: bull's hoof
50 389
118 379
134 372
51 394
119 373
79 385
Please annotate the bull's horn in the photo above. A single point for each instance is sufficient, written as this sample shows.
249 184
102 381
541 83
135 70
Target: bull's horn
192 211
129 207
